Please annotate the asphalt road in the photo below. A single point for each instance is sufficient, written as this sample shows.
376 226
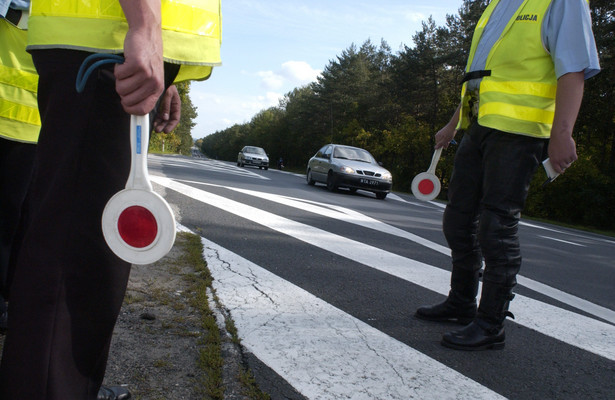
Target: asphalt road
322 288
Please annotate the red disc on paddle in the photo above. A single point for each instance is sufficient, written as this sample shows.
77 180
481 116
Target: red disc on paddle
137 226
426 186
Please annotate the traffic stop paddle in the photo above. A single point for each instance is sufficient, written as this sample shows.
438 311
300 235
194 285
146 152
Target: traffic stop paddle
426 185
137 223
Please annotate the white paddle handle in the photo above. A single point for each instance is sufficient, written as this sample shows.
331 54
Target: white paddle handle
139 142
434 160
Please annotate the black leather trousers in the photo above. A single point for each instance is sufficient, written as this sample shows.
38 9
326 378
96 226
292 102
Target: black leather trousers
488 189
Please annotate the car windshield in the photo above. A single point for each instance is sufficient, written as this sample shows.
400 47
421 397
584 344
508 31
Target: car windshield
348 153
254 150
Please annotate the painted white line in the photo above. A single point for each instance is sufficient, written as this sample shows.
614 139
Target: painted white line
577 330
209 165
321 351
351 216
566 298
561 241
544 228
395 197
346 215
573 234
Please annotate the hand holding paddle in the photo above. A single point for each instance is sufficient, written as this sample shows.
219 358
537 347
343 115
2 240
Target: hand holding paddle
138 223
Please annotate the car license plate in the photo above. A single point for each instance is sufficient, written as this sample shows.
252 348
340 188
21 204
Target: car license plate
369 182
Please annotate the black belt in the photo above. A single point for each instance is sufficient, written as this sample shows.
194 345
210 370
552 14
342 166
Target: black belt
13 16
476 75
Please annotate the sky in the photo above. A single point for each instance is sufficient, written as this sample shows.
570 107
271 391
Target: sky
270 47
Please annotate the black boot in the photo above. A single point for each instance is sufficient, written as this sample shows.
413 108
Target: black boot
450 310
460 305
487 330
479 335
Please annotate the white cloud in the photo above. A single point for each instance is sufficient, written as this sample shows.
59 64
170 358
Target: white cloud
415 17
217 112
299 72
270 80
272 99
290 75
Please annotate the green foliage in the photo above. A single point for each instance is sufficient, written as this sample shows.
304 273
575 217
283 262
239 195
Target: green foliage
584 195
165 142
393 104
179 141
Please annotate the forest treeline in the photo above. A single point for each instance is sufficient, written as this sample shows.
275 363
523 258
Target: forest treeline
179 141
392 104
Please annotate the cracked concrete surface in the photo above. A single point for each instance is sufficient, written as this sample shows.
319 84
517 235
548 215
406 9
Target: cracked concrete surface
320 350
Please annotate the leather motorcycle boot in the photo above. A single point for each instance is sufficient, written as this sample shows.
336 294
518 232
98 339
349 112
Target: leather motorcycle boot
460 305
486 332
450 310
478 335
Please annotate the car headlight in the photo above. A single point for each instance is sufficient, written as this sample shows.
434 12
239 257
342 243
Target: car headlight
346 170
387 177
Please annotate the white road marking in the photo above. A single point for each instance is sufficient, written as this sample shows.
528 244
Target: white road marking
351 216
210 165
346 215
562 241
573 234
577 330
323 352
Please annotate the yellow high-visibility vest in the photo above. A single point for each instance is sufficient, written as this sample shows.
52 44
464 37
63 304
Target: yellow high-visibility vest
19 117
519 94
191 30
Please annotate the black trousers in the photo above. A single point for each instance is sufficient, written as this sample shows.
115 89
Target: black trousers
68 286
487 192
16 163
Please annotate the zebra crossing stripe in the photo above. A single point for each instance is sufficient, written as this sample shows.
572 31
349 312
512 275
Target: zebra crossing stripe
320 350
577 330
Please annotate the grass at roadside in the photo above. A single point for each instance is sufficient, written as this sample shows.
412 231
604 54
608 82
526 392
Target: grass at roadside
173 339
210 351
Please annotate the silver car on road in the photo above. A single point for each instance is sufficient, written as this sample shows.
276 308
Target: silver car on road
349 167
252 155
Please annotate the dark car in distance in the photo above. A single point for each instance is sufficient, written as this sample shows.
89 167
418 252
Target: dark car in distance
340 166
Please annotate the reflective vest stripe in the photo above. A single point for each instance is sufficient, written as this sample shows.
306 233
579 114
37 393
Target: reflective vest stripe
22 79
191 30
520 112
179 47
19 117
199 17
522 88
190 19
19 112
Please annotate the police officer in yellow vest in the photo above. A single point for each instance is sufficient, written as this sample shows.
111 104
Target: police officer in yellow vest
19 127
523 87
68 285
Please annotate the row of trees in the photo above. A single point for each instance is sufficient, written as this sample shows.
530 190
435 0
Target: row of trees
392 104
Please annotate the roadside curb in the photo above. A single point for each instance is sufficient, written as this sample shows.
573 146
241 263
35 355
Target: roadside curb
160 340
